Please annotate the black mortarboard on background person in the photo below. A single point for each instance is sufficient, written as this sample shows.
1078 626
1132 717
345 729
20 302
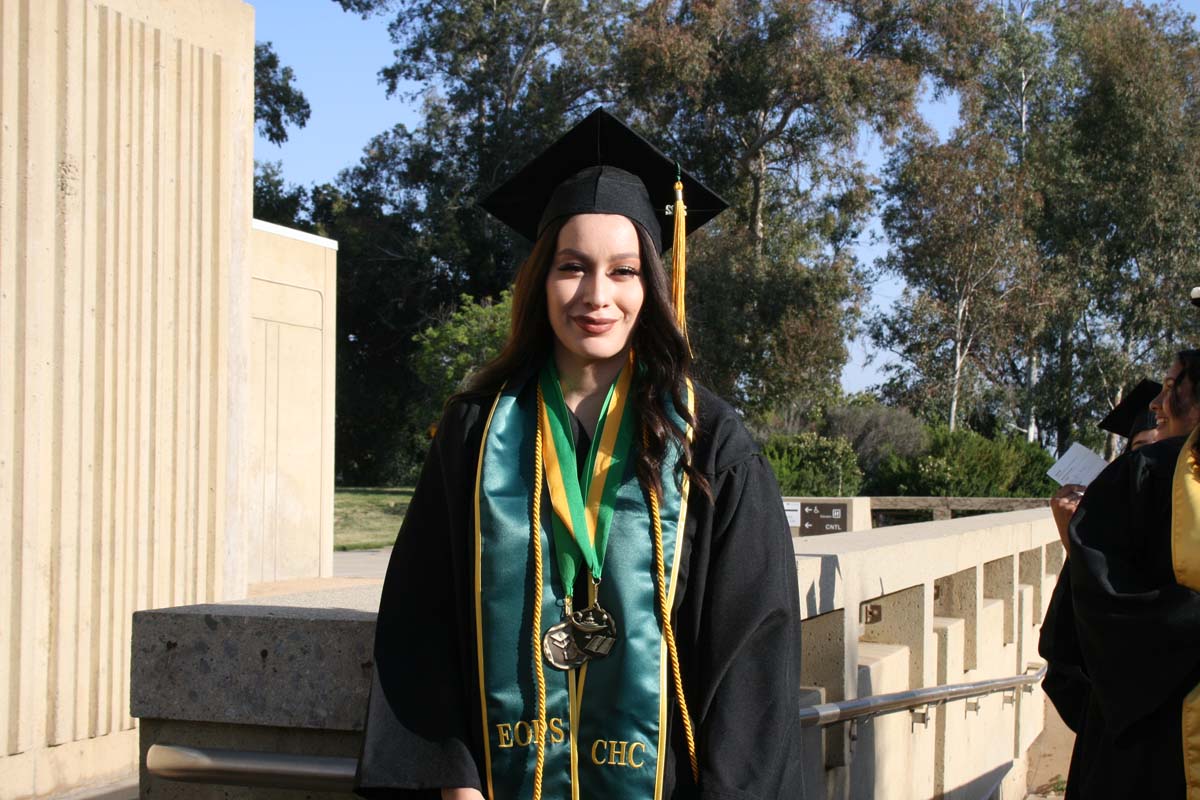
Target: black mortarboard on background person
1132 415
601 166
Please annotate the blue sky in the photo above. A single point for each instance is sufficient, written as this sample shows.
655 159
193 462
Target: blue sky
337 57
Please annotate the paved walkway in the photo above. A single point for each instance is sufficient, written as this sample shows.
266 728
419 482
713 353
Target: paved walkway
361 563
1049 757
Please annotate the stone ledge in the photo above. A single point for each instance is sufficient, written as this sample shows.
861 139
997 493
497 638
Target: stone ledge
293 661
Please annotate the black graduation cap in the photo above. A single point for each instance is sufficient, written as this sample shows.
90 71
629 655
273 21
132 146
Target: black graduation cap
1133 415
601 166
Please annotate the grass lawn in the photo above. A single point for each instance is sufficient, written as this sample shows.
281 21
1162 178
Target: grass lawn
366 519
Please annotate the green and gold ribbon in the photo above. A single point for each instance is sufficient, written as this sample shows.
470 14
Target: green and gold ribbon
583 513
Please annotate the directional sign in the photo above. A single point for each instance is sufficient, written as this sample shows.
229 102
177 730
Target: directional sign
818 518
792 508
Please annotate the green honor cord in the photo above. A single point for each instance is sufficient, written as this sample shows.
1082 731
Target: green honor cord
583 514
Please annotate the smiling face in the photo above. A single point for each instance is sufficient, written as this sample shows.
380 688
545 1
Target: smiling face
1174 408
594 289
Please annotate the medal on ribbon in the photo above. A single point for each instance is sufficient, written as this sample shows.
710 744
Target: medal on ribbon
583 512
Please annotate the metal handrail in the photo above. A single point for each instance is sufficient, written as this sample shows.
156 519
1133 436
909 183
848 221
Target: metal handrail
846 710
333 774
250 768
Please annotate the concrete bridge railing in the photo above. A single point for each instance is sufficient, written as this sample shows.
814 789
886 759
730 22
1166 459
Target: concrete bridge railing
885 610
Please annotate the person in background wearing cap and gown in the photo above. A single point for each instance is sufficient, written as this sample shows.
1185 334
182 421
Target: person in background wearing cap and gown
1065 683
593 594
1124 618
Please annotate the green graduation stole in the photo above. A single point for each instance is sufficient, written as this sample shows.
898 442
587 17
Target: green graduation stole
605 724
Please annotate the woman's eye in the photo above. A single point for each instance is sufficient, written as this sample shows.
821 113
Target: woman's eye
570 266
627 270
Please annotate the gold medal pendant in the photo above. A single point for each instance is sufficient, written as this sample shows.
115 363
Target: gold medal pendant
560 647
594 630
579 637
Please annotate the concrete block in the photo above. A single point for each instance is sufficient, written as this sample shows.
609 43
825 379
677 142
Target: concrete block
284 662
812 747
879 755
823 663
902 620
999 582
959 595
1030 570
952 720
820 579
293 303
1030 708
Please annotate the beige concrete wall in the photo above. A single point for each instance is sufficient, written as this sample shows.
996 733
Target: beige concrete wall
912 606
125 190
293 290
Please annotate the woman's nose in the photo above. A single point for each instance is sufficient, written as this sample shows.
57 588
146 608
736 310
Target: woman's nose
596 290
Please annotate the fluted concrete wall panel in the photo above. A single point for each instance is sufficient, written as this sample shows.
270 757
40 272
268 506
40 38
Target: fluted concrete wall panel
125 136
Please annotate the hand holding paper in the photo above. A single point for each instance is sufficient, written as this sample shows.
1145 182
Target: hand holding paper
1077 465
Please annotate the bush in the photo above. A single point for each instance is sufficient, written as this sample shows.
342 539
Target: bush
875 430
964 464
810 465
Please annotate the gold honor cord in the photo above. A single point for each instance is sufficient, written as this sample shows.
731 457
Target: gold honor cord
669 630
539 733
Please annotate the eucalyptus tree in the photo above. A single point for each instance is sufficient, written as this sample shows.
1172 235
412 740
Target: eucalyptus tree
956 236
769 100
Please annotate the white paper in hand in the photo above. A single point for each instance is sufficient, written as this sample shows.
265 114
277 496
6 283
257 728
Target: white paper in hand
1077 465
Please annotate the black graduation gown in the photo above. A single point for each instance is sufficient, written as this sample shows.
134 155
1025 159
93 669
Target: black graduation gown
737 625
1121 637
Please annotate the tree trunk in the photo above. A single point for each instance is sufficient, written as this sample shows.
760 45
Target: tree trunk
1064 429
758 175
1031 380
955 386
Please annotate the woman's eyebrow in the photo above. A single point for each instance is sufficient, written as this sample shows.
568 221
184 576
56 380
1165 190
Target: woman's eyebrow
573 253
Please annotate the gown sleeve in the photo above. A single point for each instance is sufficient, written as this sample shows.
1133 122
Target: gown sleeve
745 658
418 736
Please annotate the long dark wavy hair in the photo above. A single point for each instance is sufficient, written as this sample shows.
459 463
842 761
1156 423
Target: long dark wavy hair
661 351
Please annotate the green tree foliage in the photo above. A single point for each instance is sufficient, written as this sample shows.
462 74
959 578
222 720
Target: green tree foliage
876 431
965 293
1086 112
449 351
767 100
497 83
810 465
278 102
1121 214
276 200
963 463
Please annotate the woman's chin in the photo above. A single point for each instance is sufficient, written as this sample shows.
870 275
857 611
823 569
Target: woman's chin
588 352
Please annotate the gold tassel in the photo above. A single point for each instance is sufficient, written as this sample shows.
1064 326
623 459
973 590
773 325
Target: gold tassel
679 261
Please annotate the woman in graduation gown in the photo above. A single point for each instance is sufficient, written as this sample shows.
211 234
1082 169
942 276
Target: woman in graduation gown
1126 613
593 594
